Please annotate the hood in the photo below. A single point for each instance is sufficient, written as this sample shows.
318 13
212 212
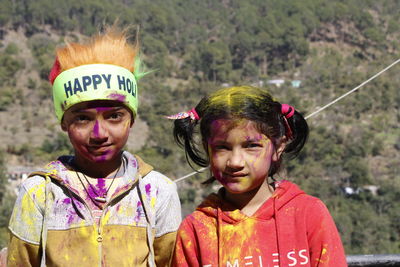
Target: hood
59 170
215 206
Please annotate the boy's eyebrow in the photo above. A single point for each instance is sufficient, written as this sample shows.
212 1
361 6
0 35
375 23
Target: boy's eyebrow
98 108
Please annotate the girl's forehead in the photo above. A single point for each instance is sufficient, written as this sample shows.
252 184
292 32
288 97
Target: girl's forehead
224 126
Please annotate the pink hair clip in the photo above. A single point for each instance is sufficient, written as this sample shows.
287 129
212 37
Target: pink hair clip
181 115
287 110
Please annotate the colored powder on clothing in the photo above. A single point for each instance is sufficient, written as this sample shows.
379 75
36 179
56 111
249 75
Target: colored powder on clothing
134 163
148 189
139 211
101 187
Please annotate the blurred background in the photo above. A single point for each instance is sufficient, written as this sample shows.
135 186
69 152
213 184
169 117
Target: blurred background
306 53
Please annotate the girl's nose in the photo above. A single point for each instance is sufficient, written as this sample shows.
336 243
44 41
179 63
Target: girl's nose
235 159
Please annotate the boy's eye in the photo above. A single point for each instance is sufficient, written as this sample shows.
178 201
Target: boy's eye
116 116
81 118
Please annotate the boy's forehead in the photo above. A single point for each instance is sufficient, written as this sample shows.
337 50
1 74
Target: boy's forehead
98 104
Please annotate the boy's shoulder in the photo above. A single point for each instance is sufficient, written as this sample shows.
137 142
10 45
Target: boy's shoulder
159 180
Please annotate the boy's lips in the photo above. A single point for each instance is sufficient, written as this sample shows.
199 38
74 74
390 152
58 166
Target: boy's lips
99 148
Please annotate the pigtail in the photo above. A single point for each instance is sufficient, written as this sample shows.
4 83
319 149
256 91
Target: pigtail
299 134
184 131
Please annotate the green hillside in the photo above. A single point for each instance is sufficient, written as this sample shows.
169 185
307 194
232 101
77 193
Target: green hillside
198 46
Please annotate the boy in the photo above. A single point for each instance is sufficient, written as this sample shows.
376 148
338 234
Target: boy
102 206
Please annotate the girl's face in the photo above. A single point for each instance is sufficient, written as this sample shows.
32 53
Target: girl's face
240 155
98 130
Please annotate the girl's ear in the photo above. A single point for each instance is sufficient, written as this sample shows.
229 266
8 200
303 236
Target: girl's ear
280 147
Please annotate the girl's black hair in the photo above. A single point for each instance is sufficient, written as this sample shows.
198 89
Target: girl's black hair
235 103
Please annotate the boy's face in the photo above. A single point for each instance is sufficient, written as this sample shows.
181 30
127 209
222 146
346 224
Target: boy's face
98 130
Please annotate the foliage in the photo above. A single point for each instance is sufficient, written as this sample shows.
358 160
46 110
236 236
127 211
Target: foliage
195 46
6 201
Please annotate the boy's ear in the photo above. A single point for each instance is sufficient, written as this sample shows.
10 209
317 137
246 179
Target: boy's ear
64 126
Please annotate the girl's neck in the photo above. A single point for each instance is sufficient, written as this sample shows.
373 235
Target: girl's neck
251 201
97 169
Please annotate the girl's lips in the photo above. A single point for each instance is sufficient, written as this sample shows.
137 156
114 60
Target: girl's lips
235 175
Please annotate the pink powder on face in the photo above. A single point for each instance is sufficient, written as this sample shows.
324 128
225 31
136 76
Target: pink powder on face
96 129
100 109
104 156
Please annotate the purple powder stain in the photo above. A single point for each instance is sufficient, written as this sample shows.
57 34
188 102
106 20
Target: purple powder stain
96 129
104 156
148 189
100 109
71 213
101 187
139 211
117 97
91 193
134 163
72 216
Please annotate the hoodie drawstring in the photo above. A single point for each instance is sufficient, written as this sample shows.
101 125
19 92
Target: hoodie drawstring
147 212
275 215
219 225
44 224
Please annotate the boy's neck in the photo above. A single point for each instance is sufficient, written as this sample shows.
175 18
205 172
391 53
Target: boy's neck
101 169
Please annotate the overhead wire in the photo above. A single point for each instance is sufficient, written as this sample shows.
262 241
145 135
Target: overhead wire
317 111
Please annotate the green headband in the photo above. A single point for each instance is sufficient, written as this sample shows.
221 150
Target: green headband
94 82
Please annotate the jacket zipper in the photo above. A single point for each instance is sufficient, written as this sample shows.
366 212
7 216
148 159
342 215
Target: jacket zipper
98 228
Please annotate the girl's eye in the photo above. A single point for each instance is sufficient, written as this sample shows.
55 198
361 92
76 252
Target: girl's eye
253 145
221 147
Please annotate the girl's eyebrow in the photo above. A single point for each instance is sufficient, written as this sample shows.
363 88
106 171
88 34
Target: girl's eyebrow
253 139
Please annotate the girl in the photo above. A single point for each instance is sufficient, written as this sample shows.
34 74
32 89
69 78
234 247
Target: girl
102 206
251 221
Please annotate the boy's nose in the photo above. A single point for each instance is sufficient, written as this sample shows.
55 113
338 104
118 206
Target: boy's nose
99 131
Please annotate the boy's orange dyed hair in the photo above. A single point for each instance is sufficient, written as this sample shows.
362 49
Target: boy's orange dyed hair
111 47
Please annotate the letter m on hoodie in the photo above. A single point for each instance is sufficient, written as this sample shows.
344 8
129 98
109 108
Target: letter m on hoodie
235 263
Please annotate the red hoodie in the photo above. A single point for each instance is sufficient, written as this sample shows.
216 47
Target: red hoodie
290 229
